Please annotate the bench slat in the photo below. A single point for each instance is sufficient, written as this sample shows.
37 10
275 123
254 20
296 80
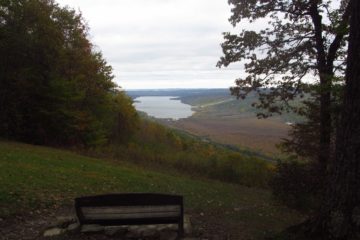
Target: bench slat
130 209
131 215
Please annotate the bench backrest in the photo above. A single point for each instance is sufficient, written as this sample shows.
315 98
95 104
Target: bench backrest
131 209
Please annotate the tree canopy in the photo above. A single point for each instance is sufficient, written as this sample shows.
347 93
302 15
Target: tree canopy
299 40
55 88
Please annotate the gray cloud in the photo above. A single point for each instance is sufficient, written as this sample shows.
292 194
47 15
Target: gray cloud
161 43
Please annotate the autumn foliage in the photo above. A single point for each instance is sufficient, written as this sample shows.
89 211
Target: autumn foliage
55 88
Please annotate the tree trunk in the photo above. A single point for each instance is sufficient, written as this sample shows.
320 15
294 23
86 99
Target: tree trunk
326 74
339 217
325 124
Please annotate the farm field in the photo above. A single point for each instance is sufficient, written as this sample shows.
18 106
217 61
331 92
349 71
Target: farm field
245 132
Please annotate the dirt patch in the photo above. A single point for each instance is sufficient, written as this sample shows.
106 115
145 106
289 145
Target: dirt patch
32 225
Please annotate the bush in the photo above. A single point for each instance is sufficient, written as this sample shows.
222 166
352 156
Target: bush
295 184
157 146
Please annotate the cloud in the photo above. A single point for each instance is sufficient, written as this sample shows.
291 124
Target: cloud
160 43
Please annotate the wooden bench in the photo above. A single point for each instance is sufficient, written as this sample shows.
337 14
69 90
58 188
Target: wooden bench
131 209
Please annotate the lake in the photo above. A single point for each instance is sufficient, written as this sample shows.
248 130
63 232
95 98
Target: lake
163 107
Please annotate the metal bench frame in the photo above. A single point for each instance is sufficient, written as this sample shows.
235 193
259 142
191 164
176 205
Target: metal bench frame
132 199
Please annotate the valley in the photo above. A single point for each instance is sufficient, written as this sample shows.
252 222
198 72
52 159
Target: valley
221 118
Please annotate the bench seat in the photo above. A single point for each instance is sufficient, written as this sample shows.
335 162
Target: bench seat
131 209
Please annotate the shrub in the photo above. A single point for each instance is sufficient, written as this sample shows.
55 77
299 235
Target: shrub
157 146
295 184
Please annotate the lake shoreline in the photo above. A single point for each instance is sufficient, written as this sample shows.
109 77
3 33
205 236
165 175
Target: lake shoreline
163 107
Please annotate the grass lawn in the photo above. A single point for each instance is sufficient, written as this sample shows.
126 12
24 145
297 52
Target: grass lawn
33 177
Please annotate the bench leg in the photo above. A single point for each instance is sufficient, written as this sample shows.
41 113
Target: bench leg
181 230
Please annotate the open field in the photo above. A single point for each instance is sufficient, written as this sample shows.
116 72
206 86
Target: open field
33 178
245 132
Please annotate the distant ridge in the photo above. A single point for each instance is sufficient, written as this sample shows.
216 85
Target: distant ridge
179 92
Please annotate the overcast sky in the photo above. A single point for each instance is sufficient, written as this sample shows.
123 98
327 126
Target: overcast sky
160 43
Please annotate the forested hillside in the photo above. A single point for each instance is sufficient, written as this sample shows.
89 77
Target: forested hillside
55 87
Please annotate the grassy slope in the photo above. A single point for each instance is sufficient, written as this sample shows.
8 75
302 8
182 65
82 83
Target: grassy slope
33 177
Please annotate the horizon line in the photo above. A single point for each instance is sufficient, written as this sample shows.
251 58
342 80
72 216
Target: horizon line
185 88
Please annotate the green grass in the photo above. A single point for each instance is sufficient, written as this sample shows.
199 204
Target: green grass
33 177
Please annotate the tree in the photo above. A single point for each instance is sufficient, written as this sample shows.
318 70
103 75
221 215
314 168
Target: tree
54 87
300 39
339 217
304 135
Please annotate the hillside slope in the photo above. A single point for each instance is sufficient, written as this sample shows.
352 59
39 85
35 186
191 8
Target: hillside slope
33 177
